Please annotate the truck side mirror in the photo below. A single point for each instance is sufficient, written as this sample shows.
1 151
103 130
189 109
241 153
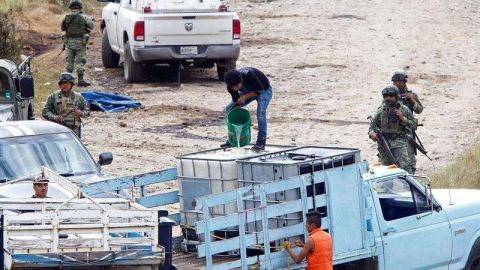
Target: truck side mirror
26 87
105 158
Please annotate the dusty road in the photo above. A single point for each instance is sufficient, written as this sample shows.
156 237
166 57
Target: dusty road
327 61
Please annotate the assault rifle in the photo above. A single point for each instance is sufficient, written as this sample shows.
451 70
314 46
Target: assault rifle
63 49
415 141
383 143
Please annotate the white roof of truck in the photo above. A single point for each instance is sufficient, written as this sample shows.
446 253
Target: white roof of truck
11 129
378 170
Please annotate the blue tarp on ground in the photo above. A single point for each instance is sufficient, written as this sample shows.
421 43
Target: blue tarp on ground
107 102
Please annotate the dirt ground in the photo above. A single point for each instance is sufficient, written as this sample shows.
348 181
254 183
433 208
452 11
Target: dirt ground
327 62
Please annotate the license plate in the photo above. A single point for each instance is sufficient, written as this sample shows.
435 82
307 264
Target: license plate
189 50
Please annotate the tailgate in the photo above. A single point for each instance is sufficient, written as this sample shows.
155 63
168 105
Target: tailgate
188 29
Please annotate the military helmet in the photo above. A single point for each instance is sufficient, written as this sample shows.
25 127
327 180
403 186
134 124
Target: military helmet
75 4
390 90
399 75
66 77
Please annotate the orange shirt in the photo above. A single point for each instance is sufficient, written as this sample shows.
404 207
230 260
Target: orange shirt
322 256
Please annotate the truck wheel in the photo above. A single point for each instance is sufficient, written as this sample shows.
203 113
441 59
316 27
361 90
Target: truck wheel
176 72
30 112
132 70
110 59
473 262
222 68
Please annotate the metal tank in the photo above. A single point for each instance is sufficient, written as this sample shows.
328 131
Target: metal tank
294 162
209 172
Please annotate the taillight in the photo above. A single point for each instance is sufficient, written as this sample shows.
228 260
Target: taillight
139 31
147 9
222 8
236 29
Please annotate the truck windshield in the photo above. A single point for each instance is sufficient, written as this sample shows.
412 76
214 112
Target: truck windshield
62 153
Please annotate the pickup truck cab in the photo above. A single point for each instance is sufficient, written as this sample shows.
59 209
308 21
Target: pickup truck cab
16 90
28 146
420 228
200 33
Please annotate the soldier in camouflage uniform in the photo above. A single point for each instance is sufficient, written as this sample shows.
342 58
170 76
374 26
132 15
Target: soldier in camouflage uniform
411 100
77 27
394 121
65 106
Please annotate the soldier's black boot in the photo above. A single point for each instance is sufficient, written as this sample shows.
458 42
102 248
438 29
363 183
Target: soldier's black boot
259 145
82 82
226 145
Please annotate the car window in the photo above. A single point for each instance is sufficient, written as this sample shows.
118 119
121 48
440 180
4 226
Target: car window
6 90
420 201
62 153
399 199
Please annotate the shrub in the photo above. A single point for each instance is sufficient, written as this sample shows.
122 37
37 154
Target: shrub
9 47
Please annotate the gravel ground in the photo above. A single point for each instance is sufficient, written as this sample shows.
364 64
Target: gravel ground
327 63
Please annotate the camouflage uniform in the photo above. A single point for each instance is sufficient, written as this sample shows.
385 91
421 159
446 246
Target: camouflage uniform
77 27
417 108
394 132
58 104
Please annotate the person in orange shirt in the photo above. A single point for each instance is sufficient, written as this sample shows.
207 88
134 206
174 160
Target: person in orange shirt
317 249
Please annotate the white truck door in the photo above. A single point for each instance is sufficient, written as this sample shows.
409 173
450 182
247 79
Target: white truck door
110 14
121 21
413 237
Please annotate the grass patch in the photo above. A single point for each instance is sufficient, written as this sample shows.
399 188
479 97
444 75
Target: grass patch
12 5
46 70
463 173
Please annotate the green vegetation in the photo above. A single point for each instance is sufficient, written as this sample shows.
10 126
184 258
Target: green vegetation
463 173
9 47
12 6
45 73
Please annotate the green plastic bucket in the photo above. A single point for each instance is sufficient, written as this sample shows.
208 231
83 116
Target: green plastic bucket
238 125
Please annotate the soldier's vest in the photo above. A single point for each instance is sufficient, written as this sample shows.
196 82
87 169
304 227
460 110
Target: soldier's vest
76 25
389 122
65 107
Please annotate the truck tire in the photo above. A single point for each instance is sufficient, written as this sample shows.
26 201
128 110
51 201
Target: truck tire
176 72
132 70
473 262
110 59
222 68
30 116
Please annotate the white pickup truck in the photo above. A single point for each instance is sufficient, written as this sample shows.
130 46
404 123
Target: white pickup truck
379 217
179 33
